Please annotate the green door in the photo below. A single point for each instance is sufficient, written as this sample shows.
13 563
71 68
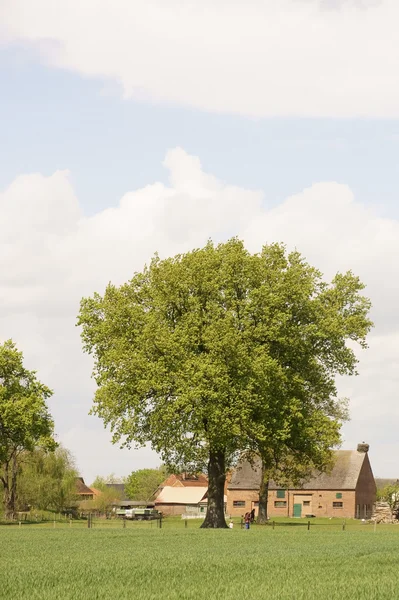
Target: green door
297 510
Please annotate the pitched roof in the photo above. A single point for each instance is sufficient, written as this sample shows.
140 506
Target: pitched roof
181 495
343 475
120 488
81 487
185 480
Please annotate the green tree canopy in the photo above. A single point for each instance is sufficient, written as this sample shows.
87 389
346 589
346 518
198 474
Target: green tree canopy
210 352
25 421
390 495
102 483
109 494
47 479
141 484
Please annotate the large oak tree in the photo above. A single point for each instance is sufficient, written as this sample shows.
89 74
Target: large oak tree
206 353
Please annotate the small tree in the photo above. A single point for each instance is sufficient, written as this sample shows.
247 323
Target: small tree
141 484
208 352
107 496
390 495
101 483
25 421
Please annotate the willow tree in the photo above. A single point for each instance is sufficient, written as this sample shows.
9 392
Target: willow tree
47 479
186 354
25 421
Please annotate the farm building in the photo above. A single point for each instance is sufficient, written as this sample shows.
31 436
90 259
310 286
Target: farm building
119 489
82 491
183 494
348 490
179 500
184 480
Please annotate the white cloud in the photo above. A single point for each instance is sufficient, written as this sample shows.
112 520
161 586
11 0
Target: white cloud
251 57
51 255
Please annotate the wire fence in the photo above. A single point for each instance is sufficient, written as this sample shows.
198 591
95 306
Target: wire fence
95 522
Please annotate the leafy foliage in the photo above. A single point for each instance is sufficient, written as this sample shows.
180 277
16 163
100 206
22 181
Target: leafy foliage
107 496
390 495
141 484
218 350
101 483
47 480
25 421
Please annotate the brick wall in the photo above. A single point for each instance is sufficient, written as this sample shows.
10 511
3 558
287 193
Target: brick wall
321 503
249 497
171 509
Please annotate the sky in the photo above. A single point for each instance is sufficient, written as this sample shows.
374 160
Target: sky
129 128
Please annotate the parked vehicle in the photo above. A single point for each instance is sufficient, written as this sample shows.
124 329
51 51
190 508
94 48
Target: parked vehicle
141 514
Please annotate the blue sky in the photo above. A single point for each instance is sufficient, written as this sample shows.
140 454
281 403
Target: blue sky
282 135
56 120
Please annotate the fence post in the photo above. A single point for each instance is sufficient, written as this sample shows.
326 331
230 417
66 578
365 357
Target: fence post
308 525
54 524
343 526
185 523
273 524
124 523
160 521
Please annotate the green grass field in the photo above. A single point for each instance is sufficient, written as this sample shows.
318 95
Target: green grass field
144 562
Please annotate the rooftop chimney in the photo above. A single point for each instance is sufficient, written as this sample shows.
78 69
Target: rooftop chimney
363 447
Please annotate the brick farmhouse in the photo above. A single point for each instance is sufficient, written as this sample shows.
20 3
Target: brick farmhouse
348 490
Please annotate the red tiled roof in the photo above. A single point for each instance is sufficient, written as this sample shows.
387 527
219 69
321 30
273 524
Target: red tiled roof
185 480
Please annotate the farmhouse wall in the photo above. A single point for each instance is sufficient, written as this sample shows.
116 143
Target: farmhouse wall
249 497
171 510
322 503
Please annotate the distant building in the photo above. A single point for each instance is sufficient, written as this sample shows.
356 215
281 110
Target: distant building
82 490
182 493
119 490
185 480
348 490
180 500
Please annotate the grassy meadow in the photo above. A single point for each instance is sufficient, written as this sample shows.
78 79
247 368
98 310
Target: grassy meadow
178 563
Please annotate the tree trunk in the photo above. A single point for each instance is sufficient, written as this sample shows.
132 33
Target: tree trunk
9 481
263 496
216 479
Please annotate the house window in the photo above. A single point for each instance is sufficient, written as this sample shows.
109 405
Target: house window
280 504
338 495
338 504
306 502
280 493
256 503
237 503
